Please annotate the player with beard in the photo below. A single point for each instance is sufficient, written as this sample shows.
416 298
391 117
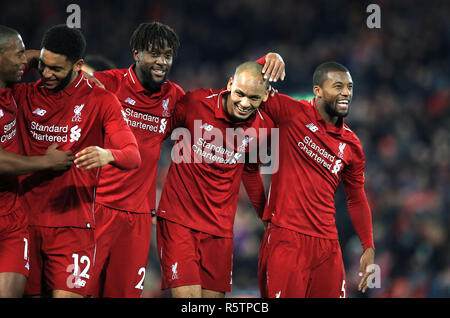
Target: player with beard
125 200
14 237
64 107
300 253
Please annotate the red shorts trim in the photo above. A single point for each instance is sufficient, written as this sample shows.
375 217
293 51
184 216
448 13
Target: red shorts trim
294 265
123 244
14 243
189 257
61 259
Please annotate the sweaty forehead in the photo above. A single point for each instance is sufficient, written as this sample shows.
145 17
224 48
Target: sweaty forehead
12 43
249 83
342 77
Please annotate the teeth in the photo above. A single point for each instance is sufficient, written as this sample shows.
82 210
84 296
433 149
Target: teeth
159 72
242 110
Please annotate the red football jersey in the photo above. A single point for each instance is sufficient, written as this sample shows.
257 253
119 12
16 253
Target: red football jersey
147 115
79 116
9 142
202 185
313 157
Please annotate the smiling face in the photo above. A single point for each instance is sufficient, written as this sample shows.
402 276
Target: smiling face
334 96
247 92
12 60
56 70
153 65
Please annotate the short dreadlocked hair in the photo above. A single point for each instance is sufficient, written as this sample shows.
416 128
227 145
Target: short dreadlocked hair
61 39
154 34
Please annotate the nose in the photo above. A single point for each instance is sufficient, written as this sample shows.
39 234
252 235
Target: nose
24 59
345 91
245 102
161 59
46 73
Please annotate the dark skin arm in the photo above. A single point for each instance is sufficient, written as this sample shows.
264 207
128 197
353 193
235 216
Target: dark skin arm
32 58
54 159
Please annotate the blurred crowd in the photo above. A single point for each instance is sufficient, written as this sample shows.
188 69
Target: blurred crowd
400 110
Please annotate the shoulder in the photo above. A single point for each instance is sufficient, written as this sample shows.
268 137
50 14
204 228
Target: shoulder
350 134
352 139
202 94
174 88
119 73
102 95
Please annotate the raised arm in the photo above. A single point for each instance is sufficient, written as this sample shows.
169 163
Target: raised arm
273 66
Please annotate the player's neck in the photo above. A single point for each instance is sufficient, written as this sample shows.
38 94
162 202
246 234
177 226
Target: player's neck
332 120
2 84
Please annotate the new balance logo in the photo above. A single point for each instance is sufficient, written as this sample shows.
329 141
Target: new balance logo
207 127
130 101
312 127
1 113
39 112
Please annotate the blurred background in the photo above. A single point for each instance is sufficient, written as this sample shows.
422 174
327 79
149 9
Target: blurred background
400 109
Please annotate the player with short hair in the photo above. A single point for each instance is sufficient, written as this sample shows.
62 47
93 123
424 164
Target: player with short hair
300 254
14 237
199 198
64 107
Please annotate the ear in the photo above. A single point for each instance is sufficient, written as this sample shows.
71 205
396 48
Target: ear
78 65
136 55
318 91
230 83
266 95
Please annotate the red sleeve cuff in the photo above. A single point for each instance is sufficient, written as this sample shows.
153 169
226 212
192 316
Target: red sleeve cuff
262 60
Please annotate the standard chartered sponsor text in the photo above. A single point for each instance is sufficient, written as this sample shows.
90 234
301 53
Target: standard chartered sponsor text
36 128
144 117
9 134
317 153
232 157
